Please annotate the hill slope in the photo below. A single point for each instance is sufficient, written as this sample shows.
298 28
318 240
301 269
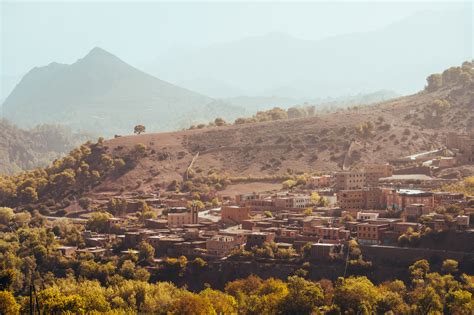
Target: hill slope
400 127
100 93
327 142
27 149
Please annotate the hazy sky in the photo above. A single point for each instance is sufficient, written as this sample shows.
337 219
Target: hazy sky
35 34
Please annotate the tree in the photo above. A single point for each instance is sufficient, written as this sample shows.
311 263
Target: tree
289 183
54 302
6 215
315 198
450 266
268 214
138 151
28 195
303 297
22 218
85 203
419 270
391 302
356 295
8 304
117 206
427 301
99 222
459 302
128 269
435 82
190 303
222 303
219 122
139 129
146 252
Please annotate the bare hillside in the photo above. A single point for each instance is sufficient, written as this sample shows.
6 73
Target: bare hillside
347 138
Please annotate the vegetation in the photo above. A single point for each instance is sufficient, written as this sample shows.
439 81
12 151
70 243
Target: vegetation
84 286
465 186
139 129
67 178
455 76
365 130
273 114
28 149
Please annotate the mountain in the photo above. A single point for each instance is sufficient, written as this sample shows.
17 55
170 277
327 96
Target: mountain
257 151
325 142
213 88
38 147
258 103
101 93
395 57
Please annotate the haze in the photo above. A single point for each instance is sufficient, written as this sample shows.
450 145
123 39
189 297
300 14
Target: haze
145 34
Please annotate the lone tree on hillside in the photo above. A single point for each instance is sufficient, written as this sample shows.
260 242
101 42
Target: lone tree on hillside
139 129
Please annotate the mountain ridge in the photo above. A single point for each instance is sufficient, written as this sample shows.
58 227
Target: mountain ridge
98 90
331 66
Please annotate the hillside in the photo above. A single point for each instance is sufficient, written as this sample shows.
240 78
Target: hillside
253 151
102 94
400 127
27 149
395 57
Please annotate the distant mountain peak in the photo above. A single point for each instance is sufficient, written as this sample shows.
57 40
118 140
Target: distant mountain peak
98 52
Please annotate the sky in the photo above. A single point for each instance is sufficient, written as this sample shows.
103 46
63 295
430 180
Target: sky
38 33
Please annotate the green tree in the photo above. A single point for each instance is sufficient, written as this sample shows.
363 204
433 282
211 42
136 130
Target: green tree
8 304
139 129
435 81
146 252
450 266
54 302
356 295
192 304
459 302
85 203
28 195
303 297
426 301
222 303
99 222
419 270
6 215
289 183
138 151
219 122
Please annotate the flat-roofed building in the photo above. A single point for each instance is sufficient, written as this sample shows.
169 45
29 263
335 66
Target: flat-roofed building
234 214
179 219
370 233
400 199
446 198
363 199
320 181
322 251
412 212
259 238
367 215
349 180
221 245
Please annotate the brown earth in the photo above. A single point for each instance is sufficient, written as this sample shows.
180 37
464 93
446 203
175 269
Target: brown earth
403 126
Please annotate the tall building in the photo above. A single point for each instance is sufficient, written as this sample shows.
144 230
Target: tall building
368 177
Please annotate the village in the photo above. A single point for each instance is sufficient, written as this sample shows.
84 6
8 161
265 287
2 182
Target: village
386 210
